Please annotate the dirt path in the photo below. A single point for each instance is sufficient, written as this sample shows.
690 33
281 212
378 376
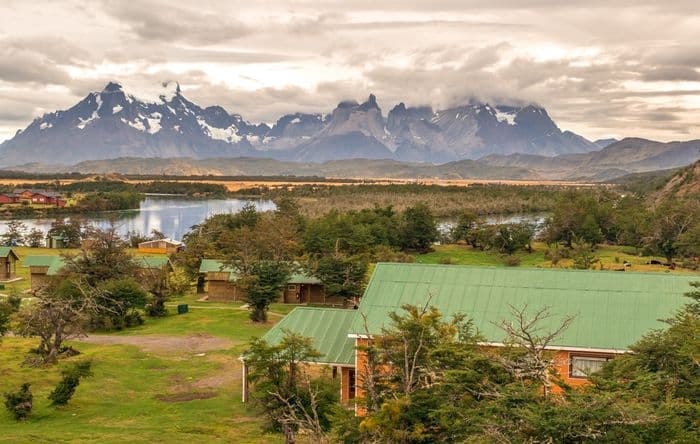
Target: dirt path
198 343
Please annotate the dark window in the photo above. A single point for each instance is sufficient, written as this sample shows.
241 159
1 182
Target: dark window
351 384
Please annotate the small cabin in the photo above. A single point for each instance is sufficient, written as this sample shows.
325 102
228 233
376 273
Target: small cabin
302 288
160 246
8 264
55 241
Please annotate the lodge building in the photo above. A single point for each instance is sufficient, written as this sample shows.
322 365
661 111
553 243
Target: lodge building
221 284
612 311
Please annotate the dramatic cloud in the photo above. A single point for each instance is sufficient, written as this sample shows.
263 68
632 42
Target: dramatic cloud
601 67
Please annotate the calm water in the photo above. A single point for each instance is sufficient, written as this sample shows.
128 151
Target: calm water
536 219
171 215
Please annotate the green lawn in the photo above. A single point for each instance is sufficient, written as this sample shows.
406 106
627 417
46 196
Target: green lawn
611 256
120 403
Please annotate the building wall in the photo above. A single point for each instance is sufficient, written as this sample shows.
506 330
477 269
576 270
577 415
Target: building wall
4 274
562 365
38 277
158 250
224 291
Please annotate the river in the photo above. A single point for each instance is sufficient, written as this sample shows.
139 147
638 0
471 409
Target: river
173 216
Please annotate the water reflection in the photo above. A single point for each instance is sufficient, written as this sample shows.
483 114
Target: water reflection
172 216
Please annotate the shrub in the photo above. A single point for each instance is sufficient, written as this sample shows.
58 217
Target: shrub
511 260
447 260
19 403
65 389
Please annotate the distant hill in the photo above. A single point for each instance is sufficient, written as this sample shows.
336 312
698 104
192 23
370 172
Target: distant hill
684 184
630 155
113 123
250 166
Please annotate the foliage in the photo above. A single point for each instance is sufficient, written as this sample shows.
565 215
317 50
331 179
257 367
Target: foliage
71 231
584 258
342 275
418 230
102 257
263 282
61 311
14 234
110 201
8 307
291 399
35 238
19 403
65 389
673 222
121 298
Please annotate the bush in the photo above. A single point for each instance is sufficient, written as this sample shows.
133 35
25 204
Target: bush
65 389
19 403
447 260
511 260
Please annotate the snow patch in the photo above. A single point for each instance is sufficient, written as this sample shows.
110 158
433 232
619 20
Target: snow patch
116 109
137 124
295 120
154 123
509 118
229 134
45 125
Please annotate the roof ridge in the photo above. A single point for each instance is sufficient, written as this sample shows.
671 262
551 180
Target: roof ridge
525 268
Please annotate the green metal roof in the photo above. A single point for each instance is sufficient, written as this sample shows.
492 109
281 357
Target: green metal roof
327 327
215 266
39 261
152 261
56 266
6 251
613 309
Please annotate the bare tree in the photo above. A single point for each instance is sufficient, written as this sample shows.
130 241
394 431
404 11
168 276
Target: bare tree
60 312
526 333
305 419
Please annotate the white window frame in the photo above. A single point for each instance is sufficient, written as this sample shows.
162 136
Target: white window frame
572 368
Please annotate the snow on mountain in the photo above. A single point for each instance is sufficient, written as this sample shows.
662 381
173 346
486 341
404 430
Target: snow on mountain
113 123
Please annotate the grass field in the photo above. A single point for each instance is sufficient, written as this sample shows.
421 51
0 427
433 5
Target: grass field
167 392
611 257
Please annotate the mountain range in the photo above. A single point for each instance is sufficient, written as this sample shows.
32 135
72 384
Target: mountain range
112 123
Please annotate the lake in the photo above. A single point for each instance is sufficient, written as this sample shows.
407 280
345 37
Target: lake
173 216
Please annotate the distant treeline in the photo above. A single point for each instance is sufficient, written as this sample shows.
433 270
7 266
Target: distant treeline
159 187
445 201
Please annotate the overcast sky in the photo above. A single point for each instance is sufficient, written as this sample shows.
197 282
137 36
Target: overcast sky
604 68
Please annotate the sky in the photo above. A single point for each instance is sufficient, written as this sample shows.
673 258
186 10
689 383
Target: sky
614 68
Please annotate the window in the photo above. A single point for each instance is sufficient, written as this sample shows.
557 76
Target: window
291 287
351 383
582 366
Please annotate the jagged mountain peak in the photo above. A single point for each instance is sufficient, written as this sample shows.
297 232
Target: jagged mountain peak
123 121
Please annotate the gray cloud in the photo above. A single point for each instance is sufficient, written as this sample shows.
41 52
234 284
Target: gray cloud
601 67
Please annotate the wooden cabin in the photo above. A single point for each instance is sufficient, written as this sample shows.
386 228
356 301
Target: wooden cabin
302 288
160 246
8 264
55 241
43 268
40 197
603 327
8 198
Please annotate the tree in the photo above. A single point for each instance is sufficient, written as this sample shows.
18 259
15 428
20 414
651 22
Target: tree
71 231
590 231
671 221
263 282
342 276
583 257
65 389
103 257
418 230
19 403
8 307
291 399
529 358
35 238
14 233
466 223
61 311
121 299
